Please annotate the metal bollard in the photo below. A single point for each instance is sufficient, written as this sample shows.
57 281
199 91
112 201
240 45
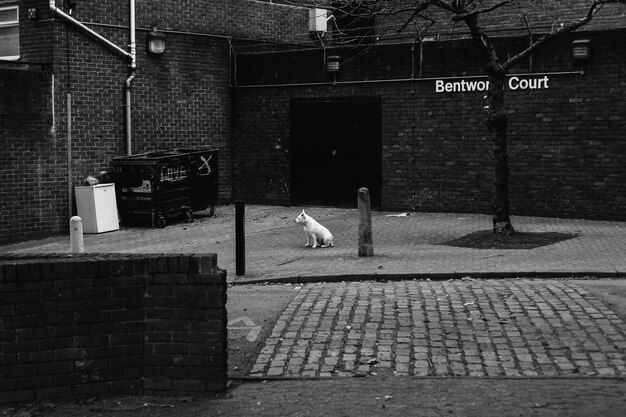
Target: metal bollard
77 244
240 239
366 241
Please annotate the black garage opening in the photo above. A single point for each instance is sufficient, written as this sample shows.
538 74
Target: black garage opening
336 149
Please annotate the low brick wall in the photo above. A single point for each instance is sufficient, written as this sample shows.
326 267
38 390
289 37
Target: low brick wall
79 325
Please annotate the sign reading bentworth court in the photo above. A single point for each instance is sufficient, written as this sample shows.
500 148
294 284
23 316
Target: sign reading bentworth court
514 83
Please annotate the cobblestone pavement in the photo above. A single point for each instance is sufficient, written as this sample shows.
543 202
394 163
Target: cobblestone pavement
450 328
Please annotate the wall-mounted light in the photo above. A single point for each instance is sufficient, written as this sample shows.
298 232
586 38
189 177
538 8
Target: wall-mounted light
581 49
332 63
156 42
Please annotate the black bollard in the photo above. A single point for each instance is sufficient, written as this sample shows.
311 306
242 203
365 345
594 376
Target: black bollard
240 239
366 241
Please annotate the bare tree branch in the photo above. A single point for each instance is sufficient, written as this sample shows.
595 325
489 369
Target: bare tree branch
416 12
466 15
595 7
530 32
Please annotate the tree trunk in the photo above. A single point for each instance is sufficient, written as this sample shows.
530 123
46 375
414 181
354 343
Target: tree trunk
497 123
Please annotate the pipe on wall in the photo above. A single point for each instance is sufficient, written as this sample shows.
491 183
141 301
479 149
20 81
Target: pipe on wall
401 80
132 56
58 12
128 84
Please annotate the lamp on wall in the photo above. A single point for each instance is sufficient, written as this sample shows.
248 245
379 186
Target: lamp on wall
156 42
581 49
332 63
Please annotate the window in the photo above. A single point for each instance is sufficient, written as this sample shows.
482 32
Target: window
9 33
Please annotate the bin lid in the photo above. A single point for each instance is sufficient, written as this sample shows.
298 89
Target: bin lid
108 184
157 155
147 156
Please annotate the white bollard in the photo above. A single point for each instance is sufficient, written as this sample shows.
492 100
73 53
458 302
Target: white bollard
77 244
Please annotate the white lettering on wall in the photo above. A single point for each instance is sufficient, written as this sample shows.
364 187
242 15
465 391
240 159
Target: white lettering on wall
515 83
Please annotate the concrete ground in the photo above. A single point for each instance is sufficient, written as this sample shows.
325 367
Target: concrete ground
415 329
365 397
404 245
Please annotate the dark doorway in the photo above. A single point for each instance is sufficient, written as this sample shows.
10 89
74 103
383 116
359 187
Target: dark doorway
336 149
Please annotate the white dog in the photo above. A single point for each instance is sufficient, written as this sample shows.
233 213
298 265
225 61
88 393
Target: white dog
315 232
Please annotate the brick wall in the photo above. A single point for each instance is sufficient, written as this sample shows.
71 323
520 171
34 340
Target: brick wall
566 143
183 99
84 325
179 99
31 169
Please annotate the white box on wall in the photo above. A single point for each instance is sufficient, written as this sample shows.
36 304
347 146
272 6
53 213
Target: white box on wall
97 207
318 21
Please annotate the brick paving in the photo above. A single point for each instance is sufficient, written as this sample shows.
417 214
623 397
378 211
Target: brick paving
465 346
451 328
410 245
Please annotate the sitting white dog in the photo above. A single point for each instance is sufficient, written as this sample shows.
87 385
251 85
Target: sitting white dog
315 232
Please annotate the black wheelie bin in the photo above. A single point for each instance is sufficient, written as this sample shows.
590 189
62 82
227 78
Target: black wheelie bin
155 187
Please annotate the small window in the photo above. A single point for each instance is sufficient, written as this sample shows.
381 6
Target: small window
9 33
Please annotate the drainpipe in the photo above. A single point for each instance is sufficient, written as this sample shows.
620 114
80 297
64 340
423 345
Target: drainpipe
58 12
131 77
132 56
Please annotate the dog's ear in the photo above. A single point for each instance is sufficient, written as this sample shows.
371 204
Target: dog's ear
303 213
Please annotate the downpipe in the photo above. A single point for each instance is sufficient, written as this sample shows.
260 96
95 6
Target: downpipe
128 112
132 56
128 84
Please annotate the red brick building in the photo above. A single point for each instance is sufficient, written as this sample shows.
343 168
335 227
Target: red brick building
403 116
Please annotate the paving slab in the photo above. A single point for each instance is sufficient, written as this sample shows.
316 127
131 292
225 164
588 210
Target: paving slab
403 245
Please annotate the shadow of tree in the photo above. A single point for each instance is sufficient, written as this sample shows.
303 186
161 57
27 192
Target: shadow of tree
486 239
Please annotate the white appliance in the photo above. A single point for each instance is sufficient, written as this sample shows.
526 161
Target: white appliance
97 207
